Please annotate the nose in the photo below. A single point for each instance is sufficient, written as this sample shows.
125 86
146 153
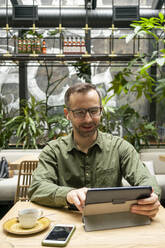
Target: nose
88 118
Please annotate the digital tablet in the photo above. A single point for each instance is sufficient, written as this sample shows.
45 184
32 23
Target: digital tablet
117 194
107 208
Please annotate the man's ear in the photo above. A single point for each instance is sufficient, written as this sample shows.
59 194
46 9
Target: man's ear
66 113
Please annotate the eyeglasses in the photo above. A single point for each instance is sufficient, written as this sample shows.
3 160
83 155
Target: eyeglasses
81 113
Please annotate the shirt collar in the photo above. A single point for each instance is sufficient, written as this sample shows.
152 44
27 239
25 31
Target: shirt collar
70 141
72 145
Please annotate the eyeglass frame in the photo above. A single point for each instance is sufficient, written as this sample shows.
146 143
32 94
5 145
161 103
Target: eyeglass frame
86 110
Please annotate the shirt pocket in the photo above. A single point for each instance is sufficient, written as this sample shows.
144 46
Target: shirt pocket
106 178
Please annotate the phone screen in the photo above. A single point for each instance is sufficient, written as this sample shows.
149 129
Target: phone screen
59 233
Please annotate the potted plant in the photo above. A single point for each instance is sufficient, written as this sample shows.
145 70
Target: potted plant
28 126
5 133
154 28
139 81
126 122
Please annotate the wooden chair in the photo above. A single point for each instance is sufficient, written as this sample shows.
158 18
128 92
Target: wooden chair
12 168
24 179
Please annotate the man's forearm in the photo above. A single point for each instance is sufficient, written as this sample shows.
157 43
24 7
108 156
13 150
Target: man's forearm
49 194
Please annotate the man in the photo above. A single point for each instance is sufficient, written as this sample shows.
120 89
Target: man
88 158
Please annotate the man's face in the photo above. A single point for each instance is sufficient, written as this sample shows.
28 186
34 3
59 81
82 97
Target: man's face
87 126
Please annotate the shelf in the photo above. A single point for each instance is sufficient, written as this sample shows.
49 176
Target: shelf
64 57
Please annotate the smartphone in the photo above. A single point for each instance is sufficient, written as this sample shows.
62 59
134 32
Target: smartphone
59 235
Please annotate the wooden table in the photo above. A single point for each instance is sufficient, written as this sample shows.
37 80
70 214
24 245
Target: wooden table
162 157
147 236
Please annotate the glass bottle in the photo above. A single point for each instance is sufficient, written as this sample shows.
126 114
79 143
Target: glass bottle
44 47
19 45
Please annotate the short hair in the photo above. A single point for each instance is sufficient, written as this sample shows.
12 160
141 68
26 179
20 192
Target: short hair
80 88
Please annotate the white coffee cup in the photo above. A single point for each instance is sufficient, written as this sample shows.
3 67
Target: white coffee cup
28 217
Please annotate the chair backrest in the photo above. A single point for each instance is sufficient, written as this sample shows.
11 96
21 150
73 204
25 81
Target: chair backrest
24 179
12 169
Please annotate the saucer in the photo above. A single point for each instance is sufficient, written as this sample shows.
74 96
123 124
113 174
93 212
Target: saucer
13 226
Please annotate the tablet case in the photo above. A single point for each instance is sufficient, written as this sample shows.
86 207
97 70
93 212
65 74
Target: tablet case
109 208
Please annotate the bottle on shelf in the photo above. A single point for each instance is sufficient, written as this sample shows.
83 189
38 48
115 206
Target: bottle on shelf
69 46
24 50
74 46
29 46
43 47
38 46
20 45
65 45
78 45
82 46
33 45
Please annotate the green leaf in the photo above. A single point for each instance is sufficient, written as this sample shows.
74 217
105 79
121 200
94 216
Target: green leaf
162 51
32 125
137 29
130 37
54 32
13 120
161 16
148 65
18 130
160 61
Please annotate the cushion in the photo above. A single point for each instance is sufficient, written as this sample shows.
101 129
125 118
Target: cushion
161 182
153 155
150 166
8 188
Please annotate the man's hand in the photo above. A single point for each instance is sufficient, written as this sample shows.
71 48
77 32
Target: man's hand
77 197
148 206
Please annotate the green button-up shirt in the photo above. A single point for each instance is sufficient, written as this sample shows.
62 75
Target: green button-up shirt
62 167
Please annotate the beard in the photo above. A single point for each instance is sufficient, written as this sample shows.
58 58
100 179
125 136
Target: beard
85 130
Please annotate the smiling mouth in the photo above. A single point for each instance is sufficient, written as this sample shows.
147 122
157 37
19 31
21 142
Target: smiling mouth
88 128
